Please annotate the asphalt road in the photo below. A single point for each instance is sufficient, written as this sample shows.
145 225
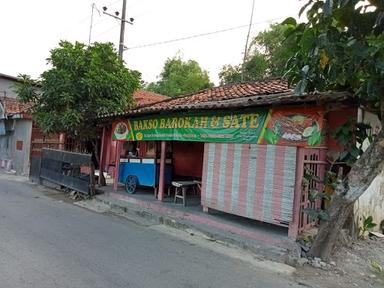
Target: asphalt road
47 243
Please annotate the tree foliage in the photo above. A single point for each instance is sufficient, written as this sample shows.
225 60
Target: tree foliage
254 68
267 56
84 81
340 47
180 77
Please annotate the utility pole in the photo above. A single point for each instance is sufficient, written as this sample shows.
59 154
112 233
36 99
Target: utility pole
91 25
122 30
246 42
122 25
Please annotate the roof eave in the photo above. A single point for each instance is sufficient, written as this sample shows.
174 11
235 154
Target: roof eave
287 98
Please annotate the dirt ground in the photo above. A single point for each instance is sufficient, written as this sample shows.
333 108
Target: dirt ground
353 267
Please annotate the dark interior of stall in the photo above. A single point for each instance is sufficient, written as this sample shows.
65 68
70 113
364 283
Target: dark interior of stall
187 160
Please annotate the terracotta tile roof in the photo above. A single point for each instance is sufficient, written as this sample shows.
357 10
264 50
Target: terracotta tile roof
257 93
144 98
233 91
215 94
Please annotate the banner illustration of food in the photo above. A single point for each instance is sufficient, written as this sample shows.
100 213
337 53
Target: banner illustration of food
294 127
122 131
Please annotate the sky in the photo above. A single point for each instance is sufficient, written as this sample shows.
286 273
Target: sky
30 29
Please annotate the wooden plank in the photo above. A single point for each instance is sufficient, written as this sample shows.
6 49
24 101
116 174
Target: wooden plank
92 181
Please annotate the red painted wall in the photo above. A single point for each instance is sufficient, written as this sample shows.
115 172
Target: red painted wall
188 158
335 119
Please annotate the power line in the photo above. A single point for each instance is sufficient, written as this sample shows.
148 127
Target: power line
89 16
108 30
113 3
198 35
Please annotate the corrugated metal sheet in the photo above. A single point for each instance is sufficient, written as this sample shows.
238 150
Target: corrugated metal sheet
250 180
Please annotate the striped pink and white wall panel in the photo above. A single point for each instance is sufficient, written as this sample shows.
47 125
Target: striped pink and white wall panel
250 180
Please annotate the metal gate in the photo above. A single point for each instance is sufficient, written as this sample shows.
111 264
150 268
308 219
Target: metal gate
313 161
65 169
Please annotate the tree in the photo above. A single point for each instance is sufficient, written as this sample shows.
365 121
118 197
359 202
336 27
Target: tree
255 68
84 81
341 48
275 47
180 77
267 56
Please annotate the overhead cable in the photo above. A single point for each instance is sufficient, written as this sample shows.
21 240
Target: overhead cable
197 35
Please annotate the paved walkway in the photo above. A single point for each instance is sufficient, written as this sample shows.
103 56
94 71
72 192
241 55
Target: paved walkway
265 240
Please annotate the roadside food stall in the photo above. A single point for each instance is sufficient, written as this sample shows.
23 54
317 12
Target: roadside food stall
249 156
249 145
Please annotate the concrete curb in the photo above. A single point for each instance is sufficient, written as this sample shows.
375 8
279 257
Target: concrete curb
284 252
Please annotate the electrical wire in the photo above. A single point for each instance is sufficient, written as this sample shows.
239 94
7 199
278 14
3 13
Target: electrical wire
106 31
198 35
113 3
89 17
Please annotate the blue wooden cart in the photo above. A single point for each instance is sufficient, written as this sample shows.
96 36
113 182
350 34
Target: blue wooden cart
134 172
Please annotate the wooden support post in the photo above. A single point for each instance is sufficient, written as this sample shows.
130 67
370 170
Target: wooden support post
108 149
61 141
102 156
293 230
92 182
160 195
119 146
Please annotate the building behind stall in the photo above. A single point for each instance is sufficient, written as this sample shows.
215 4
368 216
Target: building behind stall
15 136
7 83
15 128
20 138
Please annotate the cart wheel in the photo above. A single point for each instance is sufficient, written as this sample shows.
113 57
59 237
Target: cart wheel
131 184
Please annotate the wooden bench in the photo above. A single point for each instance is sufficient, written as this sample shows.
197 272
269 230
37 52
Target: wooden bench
181 188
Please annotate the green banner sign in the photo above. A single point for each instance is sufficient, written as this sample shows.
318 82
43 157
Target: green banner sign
218 126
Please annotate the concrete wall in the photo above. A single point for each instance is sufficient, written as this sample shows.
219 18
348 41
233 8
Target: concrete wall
371 203
7 86
6 145
372 120
15 146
